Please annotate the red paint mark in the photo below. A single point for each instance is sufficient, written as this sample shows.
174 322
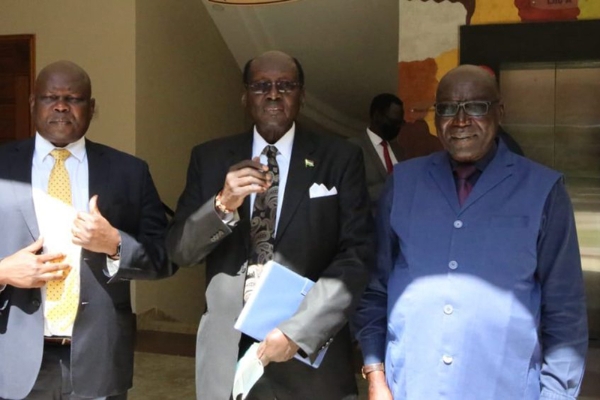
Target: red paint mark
547 10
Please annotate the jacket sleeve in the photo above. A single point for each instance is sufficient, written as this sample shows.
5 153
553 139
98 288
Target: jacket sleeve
564 331
370 320
143 253
196 228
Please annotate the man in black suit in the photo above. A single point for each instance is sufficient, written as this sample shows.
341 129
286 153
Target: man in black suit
380 147
317 224
84 219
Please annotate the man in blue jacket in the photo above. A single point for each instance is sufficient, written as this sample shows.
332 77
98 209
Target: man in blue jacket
478 291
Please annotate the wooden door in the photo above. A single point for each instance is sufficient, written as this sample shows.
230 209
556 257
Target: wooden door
17 71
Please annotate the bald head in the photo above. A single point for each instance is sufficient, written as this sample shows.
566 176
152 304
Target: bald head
61 105
470 75
66 68
274 56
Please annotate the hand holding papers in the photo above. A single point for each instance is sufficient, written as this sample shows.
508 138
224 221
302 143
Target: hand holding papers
277 296
248 371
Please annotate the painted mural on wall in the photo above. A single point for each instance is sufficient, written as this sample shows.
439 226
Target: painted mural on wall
429 38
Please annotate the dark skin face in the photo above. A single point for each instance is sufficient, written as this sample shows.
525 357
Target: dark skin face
467 138
61 105
387 125
273 112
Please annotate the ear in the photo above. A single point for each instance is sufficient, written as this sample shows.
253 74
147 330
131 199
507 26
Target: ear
244 100
92 107
31 102
500 111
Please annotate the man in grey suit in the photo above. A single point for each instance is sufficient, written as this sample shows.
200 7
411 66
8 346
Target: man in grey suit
380 148
321 232
66 326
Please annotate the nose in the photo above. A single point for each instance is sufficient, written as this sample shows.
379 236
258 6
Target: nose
273 93
61 105
461 118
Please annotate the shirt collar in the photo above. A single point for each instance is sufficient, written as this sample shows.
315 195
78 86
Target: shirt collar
43 148
375 139
284 144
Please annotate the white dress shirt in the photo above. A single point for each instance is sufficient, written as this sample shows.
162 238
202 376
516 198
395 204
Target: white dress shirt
55 219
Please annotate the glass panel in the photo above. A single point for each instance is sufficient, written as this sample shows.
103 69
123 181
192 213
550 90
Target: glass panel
553 111
578 156
528 93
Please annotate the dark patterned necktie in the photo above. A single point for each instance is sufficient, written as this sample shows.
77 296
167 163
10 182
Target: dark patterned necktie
262 224
463 186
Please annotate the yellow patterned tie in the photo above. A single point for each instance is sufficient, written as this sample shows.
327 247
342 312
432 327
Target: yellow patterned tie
63 295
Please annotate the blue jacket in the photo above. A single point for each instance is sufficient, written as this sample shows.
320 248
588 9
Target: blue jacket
483 301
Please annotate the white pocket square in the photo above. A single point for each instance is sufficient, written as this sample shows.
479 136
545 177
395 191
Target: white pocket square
321 191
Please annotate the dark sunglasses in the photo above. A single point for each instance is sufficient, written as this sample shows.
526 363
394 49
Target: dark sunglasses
262 87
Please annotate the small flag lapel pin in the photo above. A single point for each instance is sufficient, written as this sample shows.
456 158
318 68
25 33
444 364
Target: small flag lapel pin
309 163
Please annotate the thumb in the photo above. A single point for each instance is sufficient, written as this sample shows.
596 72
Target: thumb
35 246
94 205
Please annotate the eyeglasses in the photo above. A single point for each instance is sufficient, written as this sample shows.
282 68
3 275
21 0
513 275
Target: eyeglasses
262 87
472 108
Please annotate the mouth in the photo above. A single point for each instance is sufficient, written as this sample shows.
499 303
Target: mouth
462 137
273 110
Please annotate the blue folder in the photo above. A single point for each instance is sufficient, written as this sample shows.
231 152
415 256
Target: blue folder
275 298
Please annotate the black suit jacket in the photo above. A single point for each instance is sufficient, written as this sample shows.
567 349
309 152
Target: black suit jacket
103 334
327 239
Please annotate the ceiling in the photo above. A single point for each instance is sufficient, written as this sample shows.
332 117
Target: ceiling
348 49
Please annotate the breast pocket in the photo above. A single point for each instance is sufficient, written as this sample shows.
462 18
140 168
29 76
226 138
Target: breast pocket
511 247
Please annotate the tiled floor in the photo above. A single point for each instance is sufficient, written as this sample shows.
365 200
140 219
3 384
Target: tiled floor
164 369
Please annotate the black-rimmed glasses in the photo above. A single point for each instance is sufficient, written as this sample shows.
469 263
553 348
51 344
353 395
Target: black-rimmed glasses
475 108
262 87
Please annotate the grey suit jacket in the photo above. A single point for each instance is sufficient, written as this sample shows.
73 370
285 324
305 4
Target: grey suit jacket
103 334
374 168
326 239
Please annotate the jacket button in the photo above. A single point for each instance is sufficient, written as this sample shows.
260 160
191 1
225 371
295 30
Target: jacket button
35 303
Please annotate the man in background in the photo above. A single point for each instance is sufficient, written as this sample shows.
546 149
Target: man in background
81 220
380 148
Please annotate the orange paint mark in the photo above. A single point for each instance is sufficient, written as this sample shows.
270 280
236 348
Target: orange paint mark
417 86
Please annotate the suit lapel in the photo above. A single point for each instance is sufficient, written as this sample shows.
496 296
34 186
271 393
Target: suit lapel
299 179
441 173
499 169
99 174
372 153
20 176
